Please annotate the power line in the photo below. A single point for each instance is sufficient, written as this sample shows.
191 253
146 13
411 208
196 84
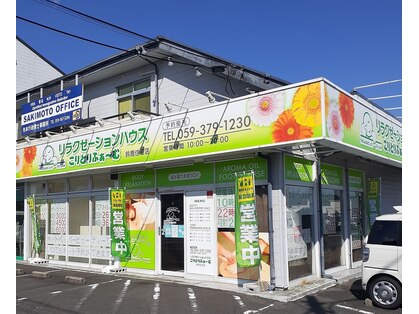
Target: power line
72 35
96 19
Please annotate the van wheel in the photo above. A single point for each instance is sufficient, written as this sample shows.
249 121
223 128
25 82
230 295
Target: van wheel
385 292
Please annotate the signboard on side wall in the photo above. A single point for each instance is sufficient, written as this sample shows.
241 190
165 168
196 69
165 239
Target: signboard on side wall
373 199
52 111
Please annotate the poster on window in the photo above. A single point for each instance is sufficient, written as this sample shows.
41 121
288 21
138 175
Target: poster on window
58 220
102 213
200 232
141 219
225 207
296 236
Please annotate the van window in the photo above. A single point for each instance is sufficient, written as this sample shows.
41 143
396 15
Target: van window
385 233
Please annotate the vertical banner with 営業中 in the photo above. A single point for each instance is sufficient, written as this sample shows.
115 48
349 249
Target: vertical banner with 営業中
247 234
373 199
36 239
119 230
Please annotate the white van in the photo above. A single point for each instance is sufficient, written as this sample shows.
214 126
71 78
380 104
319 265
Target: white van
382 261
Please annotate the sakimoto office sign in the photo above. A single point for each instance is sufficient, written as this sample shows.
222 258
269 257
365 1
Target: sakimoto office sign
53 110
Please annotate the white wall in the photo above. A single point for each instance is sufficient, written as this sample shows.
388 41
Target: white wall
31 69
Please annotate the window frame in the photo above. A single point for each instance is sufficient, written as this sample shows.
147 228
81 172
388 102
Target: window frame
131 95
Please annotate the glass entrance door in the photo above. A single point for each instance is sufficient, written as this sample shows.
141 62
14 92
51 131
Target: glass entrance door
332 228
355 203
172 239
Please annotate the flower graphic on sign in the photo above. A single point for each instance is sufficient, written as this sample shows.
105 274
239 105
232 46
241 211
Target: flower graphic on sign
334 122
306 105
264 110
29 154
346 108
19 161
286 128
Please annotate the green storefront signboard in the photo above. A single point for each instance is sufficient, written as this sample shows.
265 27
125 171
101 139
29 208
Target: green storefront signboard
255 121
331 175
356 179
298 169
187 175
225 171
138 180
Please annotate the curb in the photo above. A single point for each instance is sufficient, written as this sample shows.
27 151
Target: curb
40 274
72 279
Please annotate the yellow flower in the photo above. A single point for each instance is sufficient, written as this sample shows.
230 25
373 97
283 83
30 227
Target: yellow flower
26 169
306 105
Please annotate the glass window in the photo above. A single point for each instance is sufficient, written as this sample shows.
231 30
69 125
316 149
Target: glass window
332 227
78 229
57 230
100 239
56 186
142 102
134 96
299 230
78 184
227 267
124 105
126 89
384 233
20 204
40 187
102 181
41 208
141 85
355 203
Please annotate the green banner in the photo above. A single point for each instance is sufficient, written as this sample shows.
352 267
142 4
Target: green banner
373 199
187 175
119 231
331 175
138 180
225 171
356 179
36 235
246 227
298 169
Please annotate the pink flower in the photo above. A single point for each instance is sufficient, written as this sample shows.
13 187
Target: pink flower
265 110
334 122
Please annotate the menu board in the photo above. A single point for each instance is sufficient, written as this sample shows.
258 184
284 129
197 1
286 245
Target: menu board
200 233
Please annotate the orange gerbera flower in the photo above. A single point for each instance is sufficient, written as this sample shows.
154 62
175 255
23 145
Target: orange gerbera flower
346 109
306 105
26 169
286 128
29 153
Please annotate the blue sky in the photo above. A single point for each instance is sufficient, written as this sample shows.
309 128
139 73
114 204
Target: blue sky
351 43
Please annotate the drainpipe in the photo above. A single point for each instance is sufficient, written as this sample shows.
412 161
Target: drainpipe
156 82
270 223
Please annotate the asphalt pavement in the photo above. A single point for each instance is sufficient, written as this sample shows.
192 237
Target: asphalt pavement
52 289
